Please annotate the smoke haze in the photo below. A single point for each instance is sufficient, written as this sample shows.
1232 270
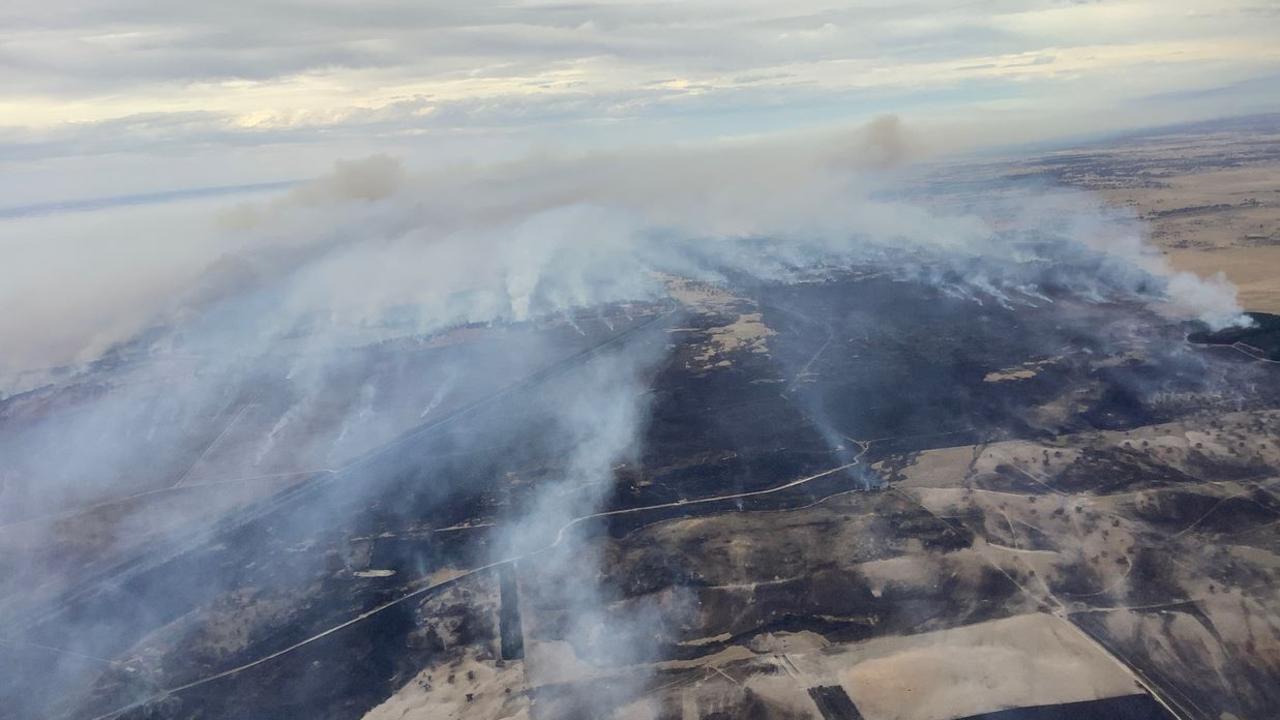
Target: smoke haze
169 316
535 237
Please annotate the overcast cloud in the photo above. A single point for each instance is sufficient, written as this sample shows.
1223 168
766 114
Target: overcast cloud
102 79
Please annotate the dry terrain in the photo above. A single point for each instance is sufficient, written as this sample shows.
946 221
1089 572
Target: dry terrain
1209 192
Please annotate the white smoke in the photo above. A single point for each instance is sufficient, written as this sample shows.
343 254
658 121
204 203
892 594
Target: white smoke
1213 300
375 252
472 244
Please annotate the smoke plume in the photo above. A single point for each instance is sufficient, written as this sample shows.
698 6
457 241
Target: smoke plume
164 318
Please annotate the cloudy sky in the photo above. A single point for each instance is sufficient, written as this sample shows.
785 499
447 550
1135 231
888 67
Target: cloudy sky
119 96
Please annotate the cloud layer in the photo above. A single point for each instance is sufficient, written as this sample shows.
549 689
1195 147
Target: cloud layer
178 79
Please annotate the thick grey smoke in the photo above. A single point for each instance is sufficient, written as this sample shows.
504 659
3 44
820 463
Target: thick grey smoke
166 316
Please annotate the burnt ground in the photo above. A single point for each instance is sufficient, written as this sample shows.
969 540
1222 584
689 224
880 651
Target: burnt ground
1071 459
1261 337
1132 707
